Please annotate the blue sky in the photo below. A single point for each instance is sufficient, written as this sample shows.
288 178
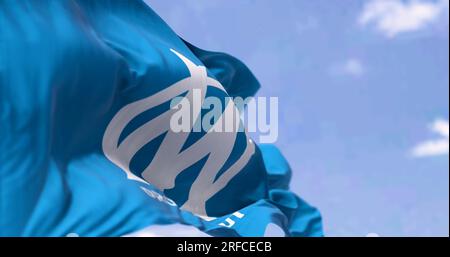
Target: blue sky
363 90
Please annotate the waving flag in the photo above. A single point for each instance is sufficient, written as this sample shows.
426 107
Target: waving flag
85 94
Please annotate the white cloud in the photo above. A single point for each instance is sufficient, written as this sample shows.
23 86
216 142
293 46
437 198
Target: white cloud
435 147
441 127
392 17
351 67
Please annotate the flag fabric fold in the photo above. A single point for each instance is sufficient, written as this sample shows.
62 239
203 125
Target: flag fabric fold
86 149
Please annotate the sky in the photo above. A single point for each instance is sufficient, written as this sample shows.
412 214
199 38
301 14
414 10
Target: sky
363 91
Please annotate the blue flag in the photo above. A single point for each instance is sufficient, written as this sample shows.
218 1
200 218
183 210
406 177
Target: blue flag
86 94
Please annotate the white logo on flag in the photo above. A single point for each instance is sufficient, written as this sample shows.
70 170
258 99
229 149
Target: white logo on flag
169 161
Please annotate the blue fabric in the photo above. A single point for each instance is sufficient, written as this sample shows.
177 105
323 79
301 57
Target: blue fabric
67 71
